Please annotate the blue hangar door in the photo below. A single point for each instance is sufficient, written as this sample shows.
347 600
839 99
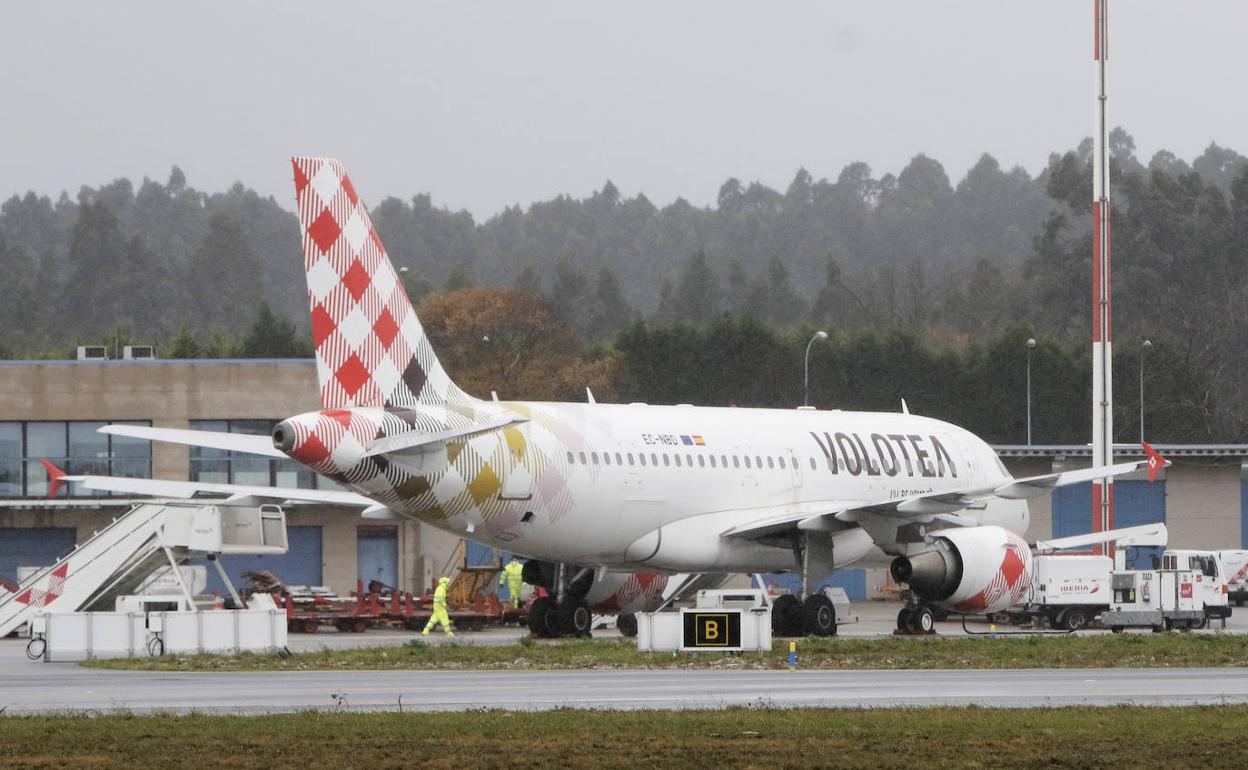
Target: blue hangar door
377 555
1135 503
33 547
299 566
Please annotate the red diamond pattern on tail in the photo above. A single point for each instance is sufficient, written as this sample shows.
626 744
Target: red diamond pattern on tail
370 348
352 375
322 324
356 280
301 180
324 231
385 328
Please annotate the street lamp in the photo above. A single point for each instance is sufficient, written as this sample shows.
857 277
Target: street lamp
1031 345
1147 346
819 335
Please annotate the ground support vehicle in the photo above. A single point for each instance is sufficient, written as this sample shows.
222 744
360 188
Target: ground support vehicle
1234 567
1157 599
1067 592
1210 585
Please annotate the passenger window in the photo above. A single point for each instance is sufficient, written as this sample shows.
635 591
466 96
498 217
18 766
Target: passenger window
770 464
747 461
606 458
723 460
758 462
780 460
618 460
676 459
641 458
701 461
570 458
665 460
583 460
712 461
812 464
736 461
654 459
630 458
594 456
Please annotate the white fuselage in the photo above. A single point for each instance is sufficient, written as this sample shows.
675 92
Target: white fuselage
655 487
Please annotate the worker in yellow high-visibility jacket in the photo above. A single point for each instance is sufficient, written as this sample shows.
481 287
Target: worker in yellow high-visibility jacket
439 609
512 572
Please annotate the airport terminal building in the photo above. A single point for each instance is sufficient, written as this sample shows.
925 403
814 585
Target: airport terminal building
52 409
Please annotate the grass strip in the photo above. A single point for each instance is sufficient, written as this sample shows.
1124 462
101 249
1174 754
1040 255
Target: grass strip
910 738
1178 650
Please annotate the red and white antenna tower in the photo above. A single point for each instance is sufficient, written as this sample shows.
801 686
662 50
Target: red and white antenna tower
1102 353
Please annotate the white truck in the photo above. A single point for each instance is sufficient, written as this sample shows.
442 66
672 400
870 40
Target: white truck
1067 591
1186 592
1235 568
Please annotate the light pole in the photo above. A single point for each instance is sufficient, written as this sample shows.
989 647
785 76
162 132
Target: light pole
819 335
1031 345
1147 346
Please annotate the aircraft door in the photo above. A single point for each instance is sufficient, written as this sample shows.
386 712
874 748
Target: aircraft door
517 465
795 468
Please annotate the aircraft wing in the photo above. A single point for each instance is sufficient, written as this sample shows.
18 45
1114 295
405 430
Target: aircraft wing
188 489
234 442
943 505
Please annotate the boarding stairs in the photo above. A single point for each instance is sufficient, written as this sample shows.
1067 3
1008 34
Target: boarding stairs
117 560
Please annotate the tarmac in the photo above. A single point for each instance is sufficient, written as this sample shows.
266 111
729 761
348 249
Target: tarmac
28 687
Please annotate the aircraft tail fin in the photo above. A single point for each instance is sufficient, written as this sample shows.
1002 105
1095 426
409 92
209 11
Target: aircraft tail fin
370 348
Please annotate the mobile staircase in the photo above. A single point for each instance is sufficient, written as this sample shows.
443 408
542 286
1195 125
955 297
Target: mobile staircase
116 560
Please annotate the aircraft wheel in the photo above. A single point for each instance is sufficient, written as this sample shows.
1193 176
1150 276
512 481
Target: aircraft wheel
904 621
819 615
626 624
575 618
786 616
922 621
544 617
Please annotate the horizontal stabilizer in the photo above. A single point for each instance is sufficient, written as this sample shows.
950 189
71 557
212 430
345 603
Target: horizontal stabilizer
188 489
1034 486
1145 534
233 442
415 440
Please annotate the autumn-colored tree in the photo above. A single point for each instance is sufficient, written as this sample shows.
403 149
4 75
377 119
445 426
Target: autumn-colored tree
511 342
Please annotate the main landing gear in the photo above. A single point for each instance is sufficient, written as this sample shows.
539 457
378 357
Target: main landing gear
791 616
563 611
915 619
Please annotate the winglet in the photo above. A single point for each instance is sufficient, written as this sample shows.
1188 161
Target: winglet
55 476
1155 461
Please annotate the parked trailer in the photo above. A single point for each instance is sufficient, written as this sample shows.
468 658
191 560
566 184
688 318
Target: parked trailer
1067 591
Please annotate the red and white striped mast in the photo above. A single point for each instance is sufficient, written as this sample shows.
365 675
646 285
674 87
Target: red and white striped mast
1102 353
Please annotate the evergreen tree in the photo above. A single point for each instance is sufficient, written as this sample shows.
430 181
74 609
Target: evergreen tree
184 344
458 278
570 295
528 281
272 337
609 311
697 294
221 276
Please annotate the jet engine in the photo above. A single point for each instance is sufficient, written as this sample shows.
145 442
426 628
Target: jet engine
975 570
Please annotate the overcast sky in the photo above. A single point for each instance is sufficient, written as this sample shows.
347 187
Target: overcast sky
490 103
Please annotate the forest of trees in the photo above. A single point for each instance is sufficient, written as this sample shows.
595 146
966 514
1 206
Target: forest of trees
927 287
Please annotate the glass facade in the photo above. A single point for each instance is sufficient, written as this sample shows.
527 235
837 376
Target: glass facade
220 466
77 447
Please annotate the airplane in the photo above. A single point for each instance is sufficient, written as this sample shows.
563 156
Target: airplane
593 493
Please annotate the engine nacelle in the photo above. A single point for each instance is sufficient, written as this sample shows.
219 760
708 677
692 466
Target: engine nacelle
977 570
